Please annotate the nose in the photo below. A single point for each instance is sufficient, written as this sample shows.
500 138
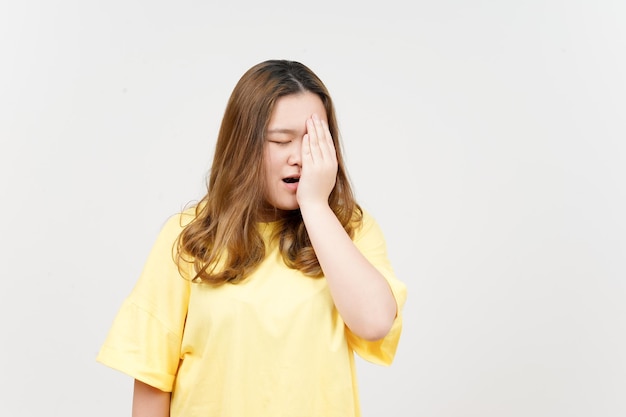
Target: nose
295 153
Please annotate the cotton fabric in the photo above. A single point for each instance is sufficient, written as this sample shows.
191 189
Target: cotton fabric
273 345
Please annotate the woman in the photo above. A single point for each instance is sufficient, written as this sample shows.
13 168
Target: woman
252 302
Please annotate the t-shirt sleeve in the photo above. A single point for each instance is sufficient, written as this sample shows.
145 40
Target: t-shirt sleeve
371 242
145 337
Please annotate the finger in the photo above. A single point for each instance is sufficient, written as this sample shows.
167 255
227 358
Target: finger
306 148
327 147
314 141
322 136
329 140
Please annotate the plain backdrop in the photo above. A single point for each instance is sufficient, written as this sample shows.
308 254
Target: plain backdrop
487 138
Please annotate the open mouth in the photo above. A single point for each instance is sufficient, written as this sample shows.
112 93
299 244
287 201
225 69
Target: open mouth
291 180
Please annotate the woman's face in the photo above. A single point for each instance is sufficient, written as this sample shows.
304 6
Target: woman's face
283 146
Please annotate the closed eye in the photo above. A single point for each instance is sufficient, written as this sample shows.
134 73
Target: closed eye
282 136
280 142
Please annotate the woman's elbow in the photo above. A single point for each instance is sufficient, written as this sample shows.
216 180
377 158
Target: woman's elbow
374 330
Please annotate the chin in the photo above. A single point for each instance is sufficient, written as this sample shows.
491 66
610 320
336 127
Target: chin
286 205
283 201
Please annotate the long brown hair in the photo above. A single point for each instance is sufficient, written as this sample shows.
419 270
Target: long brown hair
223 241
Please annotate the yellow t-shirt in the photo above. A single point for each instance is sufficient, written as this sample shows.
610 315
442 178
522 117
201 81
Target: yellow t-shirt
271 346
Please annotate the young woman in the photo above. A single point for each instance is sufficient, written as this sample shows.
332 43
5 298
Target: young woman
253 301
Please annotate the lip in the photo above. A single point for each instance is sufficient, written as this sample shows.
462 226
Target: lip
292 186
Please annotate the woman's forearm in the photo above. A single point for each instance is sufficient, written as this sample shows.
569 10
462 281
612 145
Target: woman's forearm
149 401
360 292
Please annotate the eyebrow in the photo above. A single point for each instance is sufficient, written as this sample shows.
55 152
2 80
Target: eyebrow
282 130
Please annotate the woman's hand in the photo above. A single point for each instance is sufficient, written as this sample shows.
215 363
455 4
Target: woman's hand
319 164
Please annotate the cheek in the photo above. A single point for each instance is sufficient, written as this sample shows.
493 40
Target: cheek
269 167
272 160
267 162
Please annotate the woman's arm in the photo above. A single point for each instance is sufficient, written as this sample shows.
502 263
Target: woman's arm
149 401
360 292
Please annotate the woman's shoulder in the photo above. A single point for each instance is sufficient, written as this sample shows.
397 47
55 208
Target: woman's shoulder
365 222
176 222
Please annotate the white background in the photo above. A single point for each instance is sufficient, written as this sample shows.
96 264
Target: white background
488 139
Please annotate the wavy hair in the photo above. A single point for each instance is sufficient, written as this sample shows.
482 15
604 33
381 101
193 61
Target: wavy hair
223 241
